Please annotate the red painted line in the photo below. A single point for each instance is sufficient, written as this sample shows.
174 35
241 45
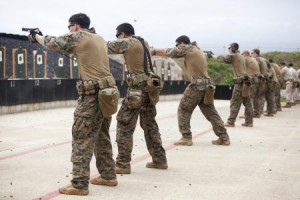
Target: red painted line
55 193
58 144
50 195
33 150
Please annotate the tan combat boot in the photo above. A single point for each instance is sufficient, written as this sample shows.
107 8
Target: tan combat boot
269 115
242 117
279 109
157 165
101 181
247 124
184 142
70 190
227 124
221 142
287 105
120 170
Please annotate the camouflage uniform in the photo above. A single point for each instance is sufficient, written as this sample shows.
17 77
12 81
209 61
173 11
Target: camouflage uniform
270 91
196 66
239 70
90 131
277 106
127 116
259 101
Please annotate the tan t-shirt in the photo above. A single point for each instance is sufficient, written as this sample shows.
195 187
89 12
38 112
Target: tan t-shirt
133 52
194 59
237 61
90 50
262 66
277 70
252 66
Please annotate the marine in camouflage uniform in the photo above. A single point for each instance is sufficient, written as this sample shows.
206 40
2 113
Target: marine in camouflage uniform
277 97
240 74
136 103
270 91
252 69
90 131
259 101
194 94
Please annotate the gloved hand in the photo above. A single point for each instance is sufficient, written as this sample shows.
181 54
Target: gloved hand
32 34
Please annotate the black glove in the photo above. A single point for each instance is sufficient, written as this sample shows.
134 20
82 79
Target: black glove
32 34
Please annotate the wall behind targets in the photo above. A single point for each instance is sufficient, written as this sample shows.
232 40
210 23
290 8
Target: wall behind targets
21 59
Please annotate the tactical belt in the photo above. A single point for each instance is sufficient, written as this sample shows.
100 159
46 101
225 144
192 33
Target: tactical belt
135 79
254 78
199 81
91 87
238 80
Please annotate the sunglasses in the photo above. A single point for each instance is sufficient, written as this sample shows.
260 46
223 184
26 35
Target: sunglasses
71 26
118 34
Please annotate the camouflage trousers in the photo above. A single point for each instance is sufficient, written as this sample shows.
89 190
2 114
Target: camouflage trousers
258 103
126 122
289 92
235 104
270 99
90 134
277 97
192 97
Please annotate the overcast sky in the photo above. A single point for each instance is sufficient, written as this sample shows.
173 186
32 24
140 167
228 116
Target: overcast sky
213 24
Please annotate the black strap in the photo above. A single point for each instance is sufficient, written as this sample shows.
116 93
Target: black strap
146 56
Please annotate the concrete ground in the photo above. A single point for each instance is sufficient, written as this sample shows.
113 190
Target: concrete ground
262 162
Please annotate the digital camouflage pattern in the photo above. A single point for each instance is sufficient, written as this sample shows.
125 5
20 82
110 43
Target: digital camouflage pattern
65 42
90 131
259 101
194 59
192 97
90 134
127 120
270 99
127 116
235 105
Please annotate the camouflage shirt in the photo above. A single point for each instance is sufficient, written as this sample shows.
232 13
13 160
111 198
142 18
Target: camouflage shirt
89 49
133 52
194 59
238 63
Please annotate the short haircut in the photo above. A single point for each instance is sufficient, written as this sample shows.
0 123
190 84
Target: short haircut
126 28
247 53
257 51
270 60
291 64
282 63
81 19
183 39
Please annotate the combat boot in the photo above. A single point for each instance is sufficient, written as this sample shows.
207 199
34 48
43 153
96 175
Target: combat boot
221 142
242 117
120 170
269 115
227 124
157 165
247 124
101 181
70 190
184 142
279 109
287 105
